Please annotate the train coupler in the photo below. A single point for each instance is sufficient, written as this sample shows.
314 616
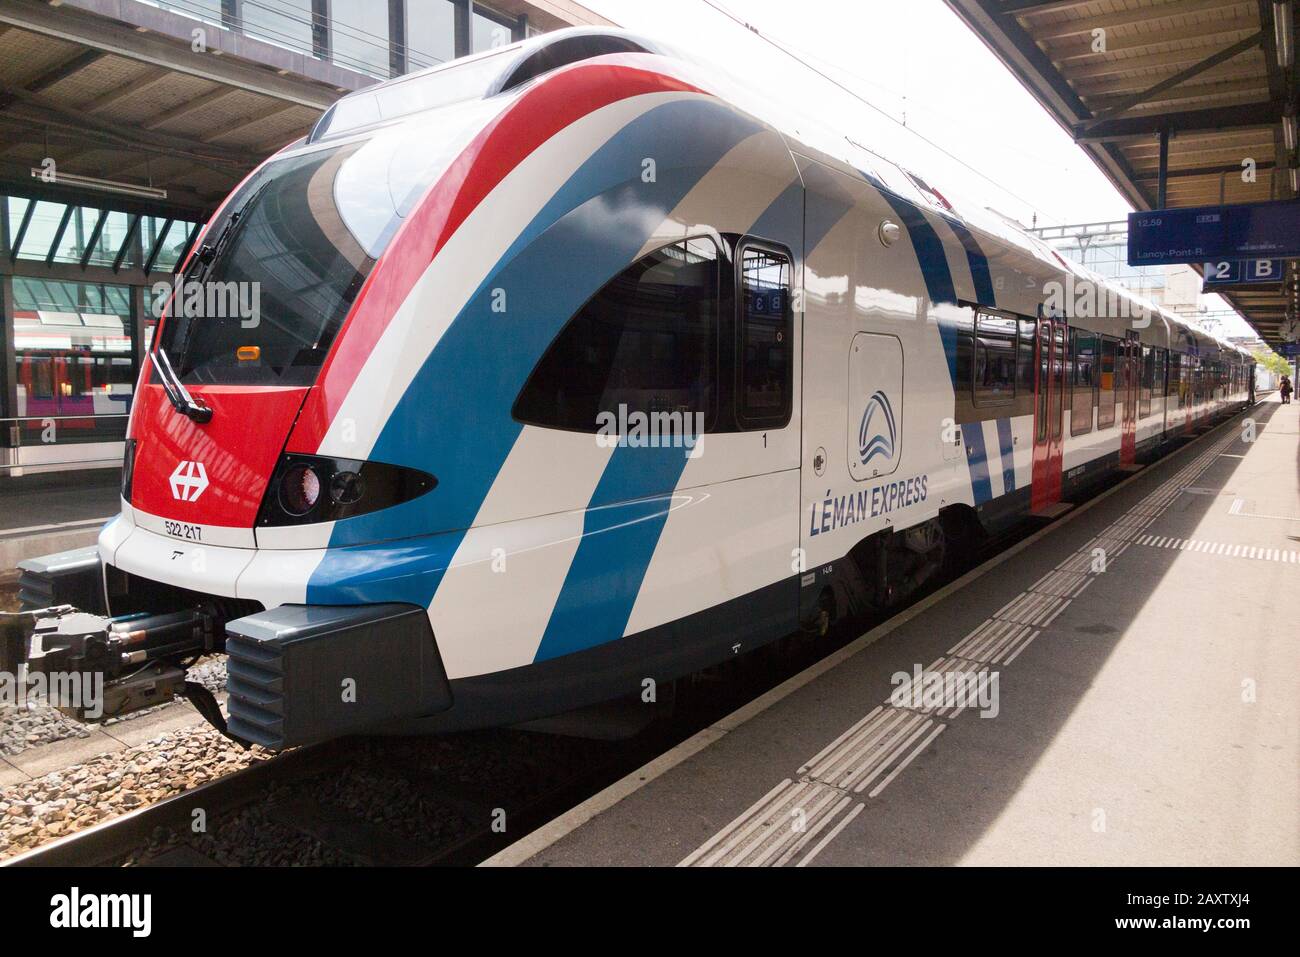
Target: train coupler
93 667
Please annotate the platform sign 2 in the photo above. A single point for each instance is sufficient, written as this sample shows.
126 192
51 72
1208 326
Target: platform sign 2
1200 234
1234 272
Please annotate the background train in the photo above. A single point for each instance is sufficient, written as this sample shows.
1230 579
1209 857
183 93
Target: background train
579 367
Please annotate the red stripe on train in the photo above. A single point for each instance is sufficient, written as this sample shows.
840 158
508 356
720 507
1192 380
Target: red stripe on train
498 149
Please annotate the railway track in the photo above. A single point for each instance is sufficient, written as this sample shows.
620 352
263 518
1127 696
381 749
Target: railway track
291 809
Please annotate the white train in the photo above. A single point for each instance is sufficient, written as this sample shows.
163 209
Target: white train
577 368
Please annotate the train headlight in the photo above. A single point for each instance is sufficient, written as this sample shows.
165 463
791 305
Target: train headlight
317 488
347 488
299 490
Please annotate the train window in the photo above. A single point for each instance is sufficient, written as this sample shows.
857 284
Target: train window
1107 384
1148 380
962 383
1083 386
766 332
646 343
995 358
1025 360
1160 363
282 271
40 384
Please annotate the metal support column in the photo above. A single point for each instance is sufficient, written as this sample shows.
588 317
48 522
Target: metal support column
464 27
232 16
320 29
398 58
1162 187
8 360
139 320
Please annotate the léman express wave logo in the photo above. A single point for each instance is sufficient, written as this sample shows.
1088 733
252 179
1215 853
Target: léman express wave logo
879 431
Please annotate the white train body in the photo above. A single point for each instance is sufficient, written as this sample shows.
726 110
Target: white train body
815 305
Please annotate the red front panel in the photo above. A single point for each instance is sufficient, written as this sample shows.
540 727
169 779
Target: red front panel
213 474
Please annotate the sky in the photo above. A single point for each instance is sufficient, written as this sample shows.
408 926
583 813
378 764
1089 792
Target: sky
925 75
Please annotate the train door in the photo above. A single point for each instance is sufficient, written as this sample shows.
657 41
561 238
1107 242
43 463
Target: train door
1130 359
1049 406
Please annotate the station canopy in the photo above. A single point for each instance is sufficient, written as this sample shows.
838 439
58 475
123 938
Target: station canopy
129 100
1200 85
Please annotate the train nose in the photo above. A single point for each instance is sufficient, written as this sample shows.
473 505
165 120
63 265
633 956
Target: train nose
208 476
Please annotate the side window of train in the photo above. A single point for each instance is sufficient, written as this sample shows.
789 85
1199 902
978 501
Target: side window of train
1083 386
1148 381
1025 362
1107 384
993 377
1160 363
765 338
646 343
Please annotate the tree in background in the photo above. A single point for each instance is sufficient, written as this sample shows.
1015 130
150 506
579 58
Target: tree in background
1273 362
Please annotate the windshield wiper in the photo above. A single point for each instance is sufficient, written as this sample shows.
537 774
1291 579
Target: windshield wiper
205 259
209 253
177 394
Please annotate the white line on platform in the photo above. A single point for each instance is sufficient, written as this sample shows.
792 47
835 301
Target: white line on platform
56 525
831 836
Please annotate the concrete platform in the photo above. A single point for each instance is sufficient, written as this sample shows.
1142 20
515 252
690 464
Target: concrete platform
1147 708
54 511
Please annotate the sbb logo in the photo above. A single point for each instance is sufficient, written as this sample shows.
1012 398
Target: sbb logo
188 481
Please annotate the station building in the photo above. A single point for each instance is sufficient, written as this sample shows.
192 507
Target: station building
123 123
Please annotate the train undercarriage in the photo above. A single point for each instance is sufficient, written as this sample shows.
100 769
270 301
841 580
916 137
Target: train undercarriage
293 672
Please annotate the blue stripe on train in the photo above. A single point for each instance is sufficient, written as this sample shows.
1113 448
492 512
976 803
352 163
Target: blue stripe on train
630 505
1008 446
454 419
934 269
979 264
619 538
977 459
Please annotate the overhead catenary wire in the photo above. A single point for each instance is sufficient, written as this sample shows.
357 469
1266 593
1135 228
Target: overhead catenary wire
789 52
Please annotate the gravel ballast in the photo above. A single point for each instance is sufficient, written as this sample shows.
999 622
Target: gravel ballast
76 797
35 725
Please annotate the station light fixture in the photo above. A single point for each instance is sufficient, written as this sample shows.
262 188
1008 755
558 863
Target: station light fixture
103 185
1284 33
1288 129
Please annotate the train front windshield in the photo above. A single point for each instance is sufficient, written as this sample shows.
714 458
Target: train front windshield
264 297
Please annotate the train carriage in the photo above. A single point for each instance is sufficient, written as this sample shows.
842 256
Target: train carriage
576 367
